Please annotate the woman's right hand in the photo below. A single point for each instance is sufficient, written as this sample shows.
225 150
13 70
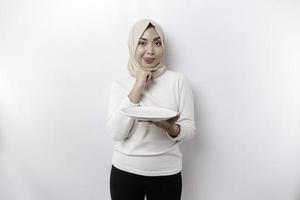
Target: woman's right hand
143 79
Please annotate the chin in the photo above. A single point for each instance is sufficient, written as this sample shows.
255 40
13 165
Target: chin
148 66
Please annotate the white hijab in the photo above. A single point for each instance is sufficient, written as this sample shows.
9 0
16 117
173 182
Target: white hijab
135 33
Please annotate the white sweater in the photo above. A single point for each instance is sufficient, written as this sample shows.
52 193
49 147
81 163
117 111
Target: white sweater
143 148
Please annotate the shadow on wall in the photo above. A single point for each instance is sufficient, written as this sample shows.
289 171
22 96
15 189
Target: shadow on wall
1 128
298 193
192 151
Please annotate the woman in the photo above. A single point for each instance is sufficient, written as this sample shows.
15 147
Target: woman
146 159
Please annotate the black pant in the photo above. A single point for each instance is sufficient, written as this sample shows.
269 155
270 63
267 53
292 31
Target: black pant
128 186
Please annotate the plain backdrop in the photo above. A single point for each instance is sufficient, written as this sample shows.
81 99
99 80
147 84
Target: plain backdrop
59 57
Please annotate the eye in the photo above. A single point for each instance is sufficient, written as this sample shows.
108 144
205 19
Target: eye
158 43
142 43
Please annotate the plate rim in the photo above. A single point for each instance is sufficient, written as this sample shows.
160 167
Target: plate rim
149 117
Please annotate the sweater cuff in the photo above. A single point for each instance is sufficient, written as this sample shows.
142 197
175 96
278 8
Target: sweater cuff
127 103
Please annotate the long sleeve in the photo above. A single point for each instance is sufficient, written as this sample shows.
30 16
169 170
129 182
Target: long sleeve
144 148
186 110
119 124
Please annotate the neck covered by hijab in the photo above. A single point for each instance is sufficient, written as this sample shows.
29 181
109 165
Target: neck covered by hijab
135 33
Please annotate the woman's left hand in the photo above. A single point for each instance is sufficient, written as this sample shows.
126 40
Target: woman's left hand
169 125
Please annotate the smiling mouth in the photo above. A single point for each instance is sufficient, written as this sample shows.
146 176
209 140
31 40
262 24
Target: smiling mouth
149 60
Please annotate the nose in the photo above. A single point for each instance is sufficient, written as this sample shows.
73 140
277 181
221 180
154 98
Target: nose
150 49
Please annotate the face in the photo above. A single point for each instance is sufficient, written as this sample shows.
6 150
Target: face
149 50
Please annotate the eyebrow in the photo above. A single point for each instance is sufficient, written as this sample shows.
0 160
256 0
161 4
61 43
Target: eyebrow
153 40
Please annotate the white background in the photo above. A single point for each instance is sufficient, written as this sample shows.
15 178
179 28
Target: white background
59 57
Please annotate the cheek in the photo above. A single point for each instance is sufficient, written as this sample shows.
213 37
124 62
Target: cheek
159 52
138 52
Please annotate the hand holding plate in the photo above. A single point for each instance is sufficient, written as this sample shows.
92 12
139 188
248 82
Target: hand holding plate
168 125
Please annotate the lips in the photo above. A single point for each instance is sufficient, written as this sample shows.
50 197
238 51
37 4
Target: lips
149 60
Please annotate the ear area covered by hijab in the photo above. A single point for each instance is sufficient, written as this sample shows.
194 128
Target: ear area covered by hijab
136 31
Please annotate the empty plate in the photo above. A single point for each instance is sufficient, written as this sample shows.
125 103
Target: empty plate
149 113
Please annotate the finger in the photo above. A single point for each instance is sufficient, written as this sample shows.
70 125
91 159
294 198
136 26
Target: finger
155 68
149 74
156 124
164 125
139 120
149 77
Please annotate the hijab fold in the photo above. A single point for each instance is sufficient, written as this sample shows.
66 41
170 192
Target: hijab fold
135 33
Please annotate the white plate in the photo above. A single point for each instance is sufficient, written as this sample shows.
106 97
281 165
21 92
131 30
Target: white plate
149 113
